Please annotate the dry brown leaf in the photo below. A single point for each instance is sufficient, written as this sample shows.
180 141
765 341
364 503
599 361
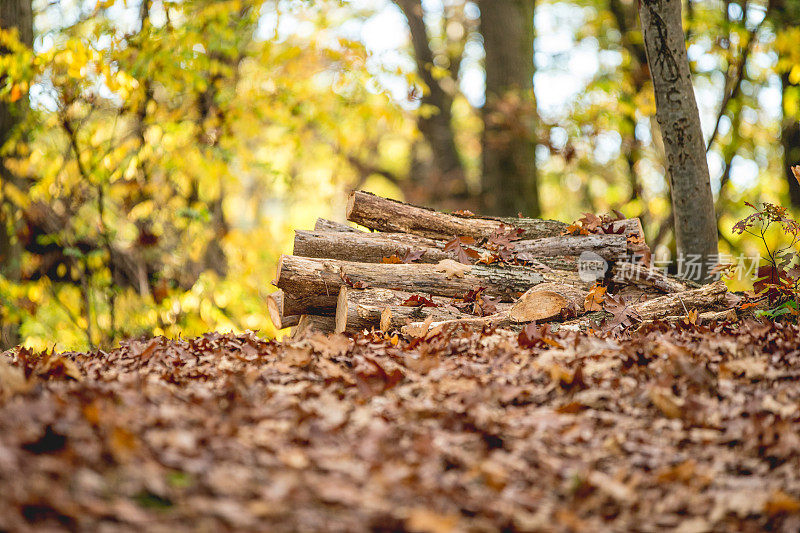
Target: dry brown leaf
418 329
386 319
12 379
428 521
780 502
594 300
452 269
666 402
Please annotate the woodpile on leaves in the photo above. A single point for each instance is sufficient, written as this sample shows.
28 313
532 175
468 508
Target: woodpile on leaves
420 271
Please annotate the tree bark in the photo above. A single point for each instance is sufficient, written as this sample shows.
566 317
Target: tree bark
509 183
374 247
679 120
357 310
309 324
543 302
706 297
383 214
13 14
365 247
790 139
608 246
316 282
386 215
323 224
631 274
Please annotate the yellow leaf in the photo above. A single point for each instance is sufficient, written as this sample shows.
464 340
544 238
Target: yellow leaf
16 93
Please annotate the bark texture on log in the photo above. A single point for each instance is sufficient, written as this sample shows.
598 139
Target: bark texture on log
609 247
703 298
365 247
641 276
357 310
679 120
318 280
314 323
536 304
373 247
323 224
392 216
389 215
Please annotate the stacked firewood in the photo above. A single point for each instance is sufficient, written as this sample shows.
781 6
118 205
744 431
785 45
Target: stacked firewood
421 270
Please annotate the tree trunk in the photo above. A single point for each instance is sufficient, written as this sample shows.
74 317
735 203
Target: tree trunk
448 179
679 120
509 138
790 139
13 14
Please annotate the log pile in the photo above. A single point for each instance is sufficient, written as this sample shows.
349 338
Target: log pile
416 270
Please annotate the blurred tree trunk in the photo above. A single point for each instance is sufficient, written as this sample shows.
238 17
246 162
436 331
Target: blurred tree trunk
790 138
446 179
679 119
509 183
13 14
785 14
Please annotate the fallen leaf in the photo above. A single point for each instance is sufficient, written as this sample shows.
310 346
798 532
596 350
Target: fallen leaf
594 300
386 319
452 269
427 521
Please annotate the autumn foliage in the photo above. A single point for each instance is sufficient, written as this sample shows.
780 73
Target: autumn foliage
692 427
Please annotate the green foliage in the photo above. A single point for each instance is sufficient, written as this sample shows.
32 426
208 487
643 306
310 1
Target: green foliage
778 279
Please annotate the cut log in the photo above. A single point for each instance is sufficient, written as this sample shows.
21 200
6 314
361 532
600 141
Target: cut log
373 247
724 315
707 297
275 301
365 247
678 303
322 303
542 302
323 224
633 274
392 216
317 281
546 301
357 310
608 246
389 215
312 323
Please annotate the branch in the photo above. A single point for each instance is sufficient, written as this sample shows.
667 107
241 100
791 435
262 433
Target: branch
735 81
366 169
423 55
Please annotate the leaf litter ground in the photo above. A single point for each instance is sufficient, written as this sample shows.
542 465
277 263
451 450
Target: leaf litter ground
688 428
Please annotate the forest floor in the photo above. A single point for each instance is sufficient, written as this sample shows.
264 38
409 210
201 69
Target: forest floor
684 427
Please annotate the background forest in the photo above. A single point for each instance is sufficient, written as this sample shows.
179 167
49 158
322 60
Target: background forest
157 153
